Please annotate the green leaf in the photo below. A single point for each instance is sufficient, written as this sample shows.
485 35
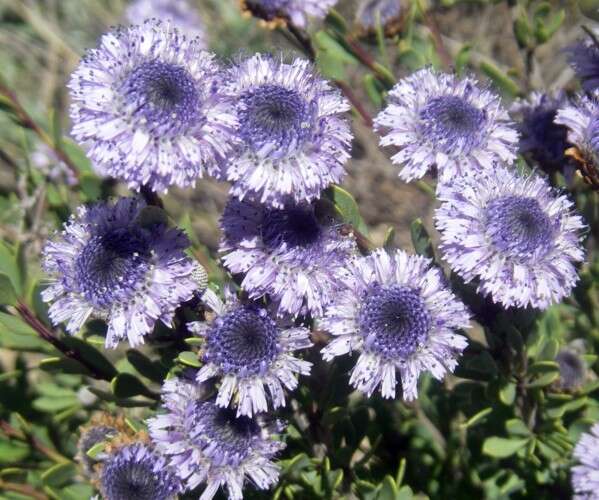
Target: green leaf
348 208
12 452
421 240
462 58
15 334
507 394
76 492
96 450
91 355
152 370
91 187
373 90
477 418
53 404
59 474
389 240
9 266
544 380
125 385
501 447
517 427
500 79
189 358
8 295
388 489
77 156
543 367
63 365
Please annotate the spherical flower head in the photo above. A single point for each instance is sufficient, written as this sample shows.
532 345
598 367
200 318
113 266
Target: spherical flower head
514 235
397 312
371 13
294 141
91 437
288 253
572 370
250 350
137 472
583 56
282 11
109 263
585 475
179 12
440 120
146 105
541 139
209 444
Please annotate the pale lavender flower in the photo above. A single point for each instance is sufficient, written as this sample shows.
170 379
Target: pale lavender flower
179 12
585 475
581 118
438 120
372 12
146 106
583 56
250 350
398 313
110 263
46 161
294 141
514 235
209 444
289 253
296 11
137 472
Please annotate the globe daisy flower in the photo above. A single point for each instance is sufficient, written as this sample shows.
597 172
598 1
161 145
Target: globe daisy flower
294 141
137 472
397 313
249 350
438 120
581 117
541 139
146 107
279 12
515 236
585 475
289 253
583 56
179 12
110 263
209 444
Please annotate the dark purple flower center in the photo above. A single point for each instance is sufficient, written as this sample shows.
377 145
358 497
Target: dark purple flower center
233 436
134 476
452 123
243 342
517 226
542 137
163 96
268 7
112 266
394 321
275 121
295 226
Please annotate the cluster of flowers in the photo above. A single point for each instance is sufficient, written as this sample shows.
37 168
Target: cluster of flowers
155 110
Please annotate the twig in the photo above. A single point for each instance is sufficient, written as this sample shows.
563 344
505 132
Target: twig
355 102
24 489
10 431
26 121
46 334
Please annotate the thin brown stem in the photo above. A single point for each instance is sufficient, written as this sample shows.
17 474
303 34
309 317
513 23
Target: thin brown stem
27 122
46 334
23 489
11 432
431 24
351 97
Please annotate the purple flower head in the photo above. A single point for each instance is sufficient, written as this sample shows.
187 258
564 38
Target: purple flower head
585 475
583 56
90 438
288 253
109 263
294 141
581 117
179 12
396 311
541 139
372 12
137 472
209 444
250 350
296 11
439 120
515 235
145 105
